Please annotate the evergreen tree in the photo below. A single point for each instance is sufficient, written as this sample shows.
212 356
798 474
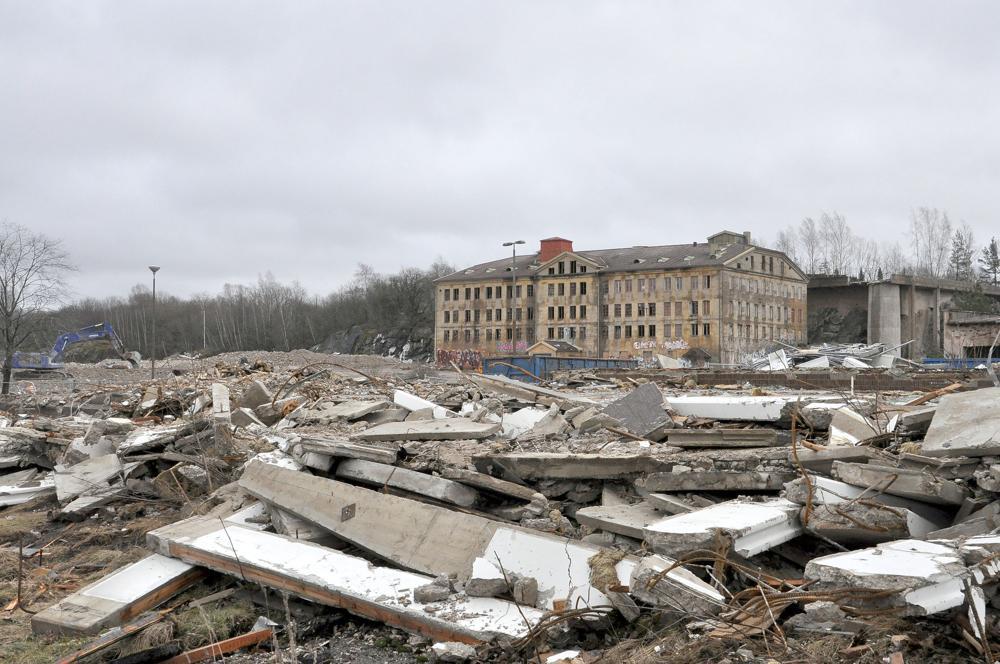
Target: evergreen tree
989 263
960 260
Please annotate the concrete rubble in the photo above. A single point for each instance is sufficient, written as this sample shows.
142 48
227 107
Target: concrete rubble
488 517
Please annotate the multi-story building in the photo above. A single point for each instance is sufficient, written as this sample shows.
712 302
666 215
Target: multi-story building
726 297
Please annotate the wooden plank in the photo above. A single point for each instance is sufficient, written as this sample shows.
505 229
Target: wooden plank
220 648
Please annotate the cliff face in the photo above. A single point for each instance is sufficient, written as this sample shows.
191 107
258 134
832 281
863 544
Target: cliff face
404 344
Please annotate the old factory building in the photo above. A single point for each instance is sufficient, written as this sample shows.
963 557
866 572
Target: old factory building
705 301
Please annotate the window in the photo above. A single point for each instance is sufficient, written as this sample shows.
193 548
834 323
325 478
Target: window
572 332
640 309
454 294
531 334
489 334
447 316
583 333
667 308
552 313
677 330
628 285
642 285
475 315
510 292
447 333
678 309
751 262
447 294
551 333
496 315
531 313
489 315
706 329
531 290
706 307
652 330
708 281
572 267
618 311
552 290
679 283
652 285
552 270
518 291
694 307
562 312
562 289
517 333
604 288
583 288
572 288
562 332
496 334
652 308
510 334
510 313
583 268
628 310
475 294
468 316
489 292
475 335
628 331
604 332
468 335
641 330
468 293
572 311
562 267
604 311
583 311
618 331
518 313
618 285
666 283
694 329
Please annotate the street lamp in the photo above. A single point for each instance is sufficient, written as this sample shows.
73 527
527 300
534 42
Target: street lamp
152 367
513 287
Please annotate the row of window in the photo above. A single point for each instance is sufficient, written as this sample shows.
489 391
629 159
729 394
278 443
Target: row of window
648 285
764 332
492 315
763 263
560 268
574 288
491 334
781 314
490 292
766 287
560 312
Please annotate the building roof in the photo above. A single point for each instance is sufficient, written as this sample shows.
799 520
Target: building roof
627 259
558 345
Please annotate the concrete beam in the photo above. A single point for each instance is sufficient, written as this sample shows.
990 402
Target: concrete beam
442 429
627 520
556 465
903 482
380 474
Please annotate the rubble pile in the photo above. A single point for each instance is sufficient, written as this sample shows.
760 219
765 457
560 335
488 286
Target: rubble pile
486 519
847 356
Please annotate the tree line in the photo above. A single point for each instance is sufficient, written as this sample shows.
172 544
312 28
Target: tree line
266 315
933 247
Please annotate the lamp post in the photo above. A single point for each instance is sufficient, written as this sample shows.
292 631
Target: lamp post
513 288
152 366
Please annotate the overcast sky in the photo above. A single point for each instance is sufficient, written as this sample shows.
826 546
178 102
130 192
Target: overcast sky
224 139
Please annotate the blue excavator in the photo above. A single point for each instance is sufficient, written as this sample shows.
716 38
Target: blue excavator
54 361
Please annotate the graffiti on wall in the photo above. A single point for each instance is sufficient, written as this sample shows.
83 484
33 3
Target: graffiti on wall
511 347
669 344
465 359
675 344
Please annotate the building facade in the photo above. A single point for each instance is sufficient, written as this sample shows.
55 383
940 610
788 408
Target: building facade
723 300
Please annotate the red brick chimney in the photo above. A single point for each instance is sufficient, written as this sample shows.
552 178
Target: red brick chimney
552 247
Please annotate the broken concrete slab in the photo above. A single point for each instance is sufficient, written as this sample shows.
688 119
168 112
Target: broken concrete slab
641 412
965 424
391 414
558 564
923 487
555 465
380 452
529 392
148 438
864 523
454 428
821 362
753 527
353 410
684 592
849 427
552 424
412 402
490 483
380 474
340 580
694 438
821 461
521 421
627 520
255 395
25 485
926 577
664 502
244 417
826 491
117 597
713 480
730 408
221 420
87 477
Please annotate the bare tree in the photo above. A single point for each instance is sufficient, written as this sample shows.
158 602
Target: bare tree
960 265
787 243
809 239
32 267
930 231
837 242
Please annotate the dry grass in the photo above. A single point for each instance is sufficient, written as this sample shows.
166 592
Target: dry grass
214 622
18 525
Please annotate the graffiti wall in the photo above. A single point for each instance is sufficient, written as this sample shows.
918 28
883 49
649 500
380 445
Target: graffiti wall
511 347
669 344
465 359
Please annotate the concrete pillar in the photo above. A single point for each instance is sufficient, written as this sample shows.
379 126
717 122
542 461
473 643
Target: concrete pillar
938 323
909 351
884 315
